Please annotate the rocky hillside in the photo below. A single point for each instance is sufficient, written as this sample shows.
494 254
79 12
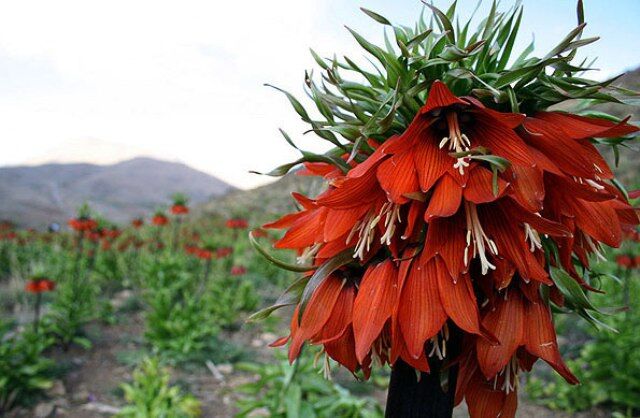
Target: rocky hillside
37 195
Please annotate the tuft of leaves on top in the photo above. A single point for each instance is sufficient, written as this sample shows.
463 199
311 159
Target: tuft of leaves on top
356 102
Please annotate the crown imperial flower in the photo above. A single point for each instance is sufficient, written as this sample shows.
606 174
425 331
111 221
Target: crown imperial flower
451 223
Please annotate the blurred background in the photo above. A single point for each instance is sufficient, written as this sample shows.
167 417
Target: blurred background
121 106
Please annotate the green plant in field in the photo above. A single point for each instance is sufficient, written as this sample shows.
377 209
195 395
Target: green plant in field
298 390
177 317
150 395
72 308
231 296
24 371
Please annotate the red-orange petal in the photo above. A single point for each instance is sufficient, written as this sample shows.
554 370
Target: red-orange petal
397 176
540 338
317 312
445 200
479 188
440 96
373 305
420 312
458 299
506 322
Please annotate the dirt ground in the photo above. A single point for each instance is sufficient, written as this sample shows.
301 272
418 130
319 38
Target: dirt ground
89 386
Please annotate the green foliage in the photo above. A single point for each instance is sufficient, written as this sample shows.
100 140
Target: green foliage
24 371
150 395
357 101
185 310
298 390
232 296
178 321
72 308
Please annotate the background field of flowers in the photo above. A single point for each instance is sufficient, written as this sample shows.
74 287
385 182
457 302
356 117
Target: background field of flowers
151 316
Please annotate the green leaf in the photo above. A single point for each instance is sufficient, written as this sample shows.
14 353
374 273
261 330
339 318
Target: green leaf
419 38
291 267
290 297
566 41
571 289
319 60
294 102
444 21
375 16
324 271
369 47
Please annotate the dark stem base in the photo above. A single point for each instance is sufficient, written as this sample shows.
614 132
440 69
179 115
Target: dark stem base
409 397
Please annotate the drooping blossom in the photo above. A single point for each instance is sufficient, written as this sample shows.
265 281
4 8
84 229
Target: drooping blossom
40 285
179 210
238 271
203 254
443 241
83 224
223 252
159 219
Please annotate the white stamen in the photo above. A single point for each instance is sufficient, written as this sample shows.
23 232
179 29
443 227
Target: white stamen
365 228
590 182
595 248
392 215
458 142
594 184
439 343
477 238
532 235
510 372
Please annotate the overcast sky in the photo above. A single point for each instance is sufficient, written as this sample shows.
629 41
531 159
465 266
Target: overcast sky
102 81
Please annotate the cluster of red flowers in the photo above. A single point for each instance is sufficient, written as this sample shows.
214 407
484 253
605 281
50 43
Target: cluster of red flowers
40 285
628 261
83 224
237 223
159 219
179 209
9 236
206 253
446 244
137 223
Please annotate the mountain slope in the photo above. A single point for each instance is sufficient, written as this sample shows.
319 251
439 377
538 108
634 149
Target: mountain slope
35 196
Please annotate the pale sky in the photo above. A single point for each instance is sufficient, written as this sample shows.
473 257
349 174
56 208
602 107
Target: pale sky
102 81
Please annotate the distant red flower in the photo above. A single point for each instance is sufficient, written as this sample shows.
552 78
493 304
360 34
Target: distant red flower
137 223
83 224
40 285
111 233
237 223
179 210
628 261
191 249
224 252
238 270
106 245
93 235
203 254
160 220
